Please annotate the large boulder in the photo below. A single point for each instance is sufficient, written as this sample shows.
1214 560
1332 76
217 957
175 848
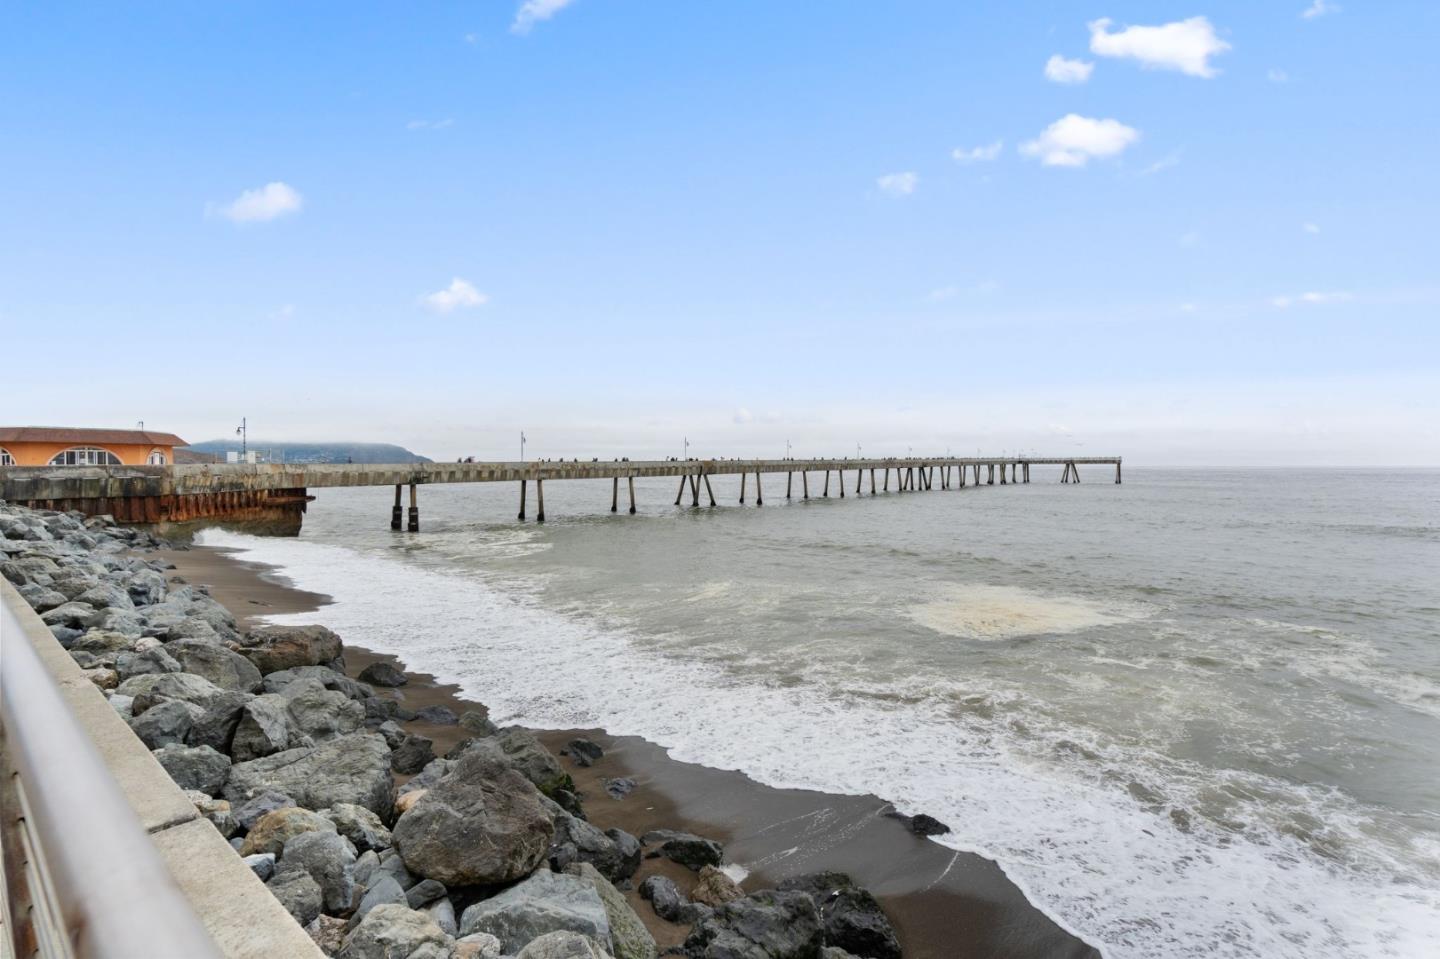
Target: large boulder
380 890
216 663
273 648
629 939
215 727
350 769
481 823
381 673
195 767
277 681
273 830
106 595
545 902
166 723
614 852
669 902
72 614
519 749
394 931
715 888
263 728
853 919
689 850
766 925
320 713
144 662
359 825
412 754
329 860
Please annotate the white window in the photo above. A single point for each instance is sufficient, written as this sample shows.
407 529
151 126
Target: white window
5 458
156 458
85 456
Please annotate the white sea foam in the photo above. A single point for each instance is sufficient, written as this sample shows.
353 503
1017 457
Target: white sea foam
985 612
1120 871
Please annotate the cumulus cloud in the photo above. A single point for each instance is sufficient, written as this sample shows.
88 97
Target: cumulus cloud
898 184
1073 140
1310 299
460 293
532 12
263 203
1319 8
1185 45
1060 70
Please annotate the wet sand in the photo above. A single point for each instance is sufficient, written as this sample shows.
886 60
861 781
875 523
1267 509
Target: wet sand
944 904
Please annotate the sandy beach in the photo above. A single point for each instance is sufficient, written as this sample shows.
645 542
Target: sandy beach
943 903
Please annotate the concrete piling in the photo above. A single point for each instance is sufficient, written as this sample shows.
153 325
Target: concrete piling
539 500
395 514
414 525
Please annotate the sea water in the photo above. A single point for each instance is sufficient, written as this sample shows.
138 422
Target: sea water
1194 715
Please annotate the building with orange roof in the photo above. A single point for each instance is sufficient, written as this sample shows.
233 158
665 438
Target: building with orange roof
70 446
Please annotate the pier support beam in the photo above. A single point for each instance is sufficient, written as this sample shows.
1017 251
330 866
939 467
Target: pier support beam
539 500
742 486
521 514
990 475
694 490
759 495
396 514
414 525
789 483
632 494
1117 472
614 494
1002 474
826 492
886 487
681 491
840 475
872 481
859 478
708 490
805 482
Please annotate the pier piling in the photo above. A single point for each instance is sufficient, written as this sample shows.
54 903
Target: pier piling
539 500
521 515
759 496
708 490
414 526
395 513
632 494
614 494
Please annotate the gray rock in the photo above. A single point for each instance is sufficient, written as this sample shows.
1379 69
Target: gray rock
481 945
42 599
766 925
351 769
248 813
337 682
481 823
669 902
429 776
714 888
423 893
262 864
629 939
436 715
835 952
329 860
216 663
616 861
359 825
412 755
263 728
546 902
563 945
381 891
145 662
442 912
519 749
299 894
688 849
273 648
393 865
381 673
852 919
106 595
619 788
70 614
477 723
583 751
320 713
165 724
394 931
195 767
392 732
146 588
215 727
365 866
102 642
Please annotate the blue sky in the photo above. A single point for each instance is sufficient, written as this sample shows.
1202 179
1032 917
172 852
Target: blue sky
739 222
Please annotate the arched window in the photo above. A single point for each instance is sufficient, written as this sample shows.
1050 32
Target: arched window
156 458
85 456
5 458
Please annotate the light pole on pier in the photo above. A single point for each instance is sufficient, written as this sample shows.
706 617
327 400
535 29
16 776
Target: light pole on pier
685 452
522 446
243 432
787 449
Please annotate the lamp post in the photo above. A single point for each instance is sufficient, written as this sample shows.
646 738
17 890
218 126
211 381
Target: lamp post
787 449
685 450
522 446
243 432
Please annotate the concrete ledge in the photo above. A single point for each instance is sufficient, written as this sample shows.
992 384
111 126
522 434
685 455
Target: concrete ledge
233 905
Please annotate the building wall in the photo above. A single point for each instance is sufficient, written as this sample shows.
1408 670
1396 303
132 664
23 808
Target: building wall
39 454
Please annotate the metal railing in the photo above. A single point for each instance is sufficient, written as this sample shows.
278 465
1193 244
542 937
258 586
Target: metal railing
81 877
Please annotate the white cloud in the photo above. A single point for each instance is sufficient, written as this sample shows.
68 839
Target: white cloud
430 124
978 154
263 203
1164 163
742 416
1073 140
1190 239
532 12
1185 45
1060 70
898 184
1311 228
1310 299
1276 75
460 293
1319 8
472 38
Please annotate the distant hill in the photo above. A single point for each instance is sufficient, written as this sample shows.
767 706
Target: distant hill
314 452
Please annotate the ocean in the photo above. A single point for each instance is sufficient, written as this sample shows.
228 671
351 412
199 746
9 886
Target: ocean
1194 715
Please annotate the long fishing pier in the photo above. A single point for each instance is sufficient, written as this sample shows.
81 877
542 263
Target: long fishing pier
270 491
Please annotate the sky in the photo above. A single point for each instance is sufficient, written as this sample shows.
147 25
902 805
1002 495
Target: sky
1193 233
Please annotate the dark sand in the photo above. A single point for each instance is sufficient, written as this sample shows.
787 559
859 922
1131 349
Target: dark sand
944 904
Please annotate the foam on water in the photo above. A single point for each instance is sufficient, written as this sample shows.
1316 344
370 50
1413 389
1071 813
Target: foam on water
1116 842
986 612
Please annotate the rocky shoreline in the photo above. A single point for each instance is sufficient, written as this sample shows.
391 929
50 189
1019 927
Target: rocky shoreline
375 844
